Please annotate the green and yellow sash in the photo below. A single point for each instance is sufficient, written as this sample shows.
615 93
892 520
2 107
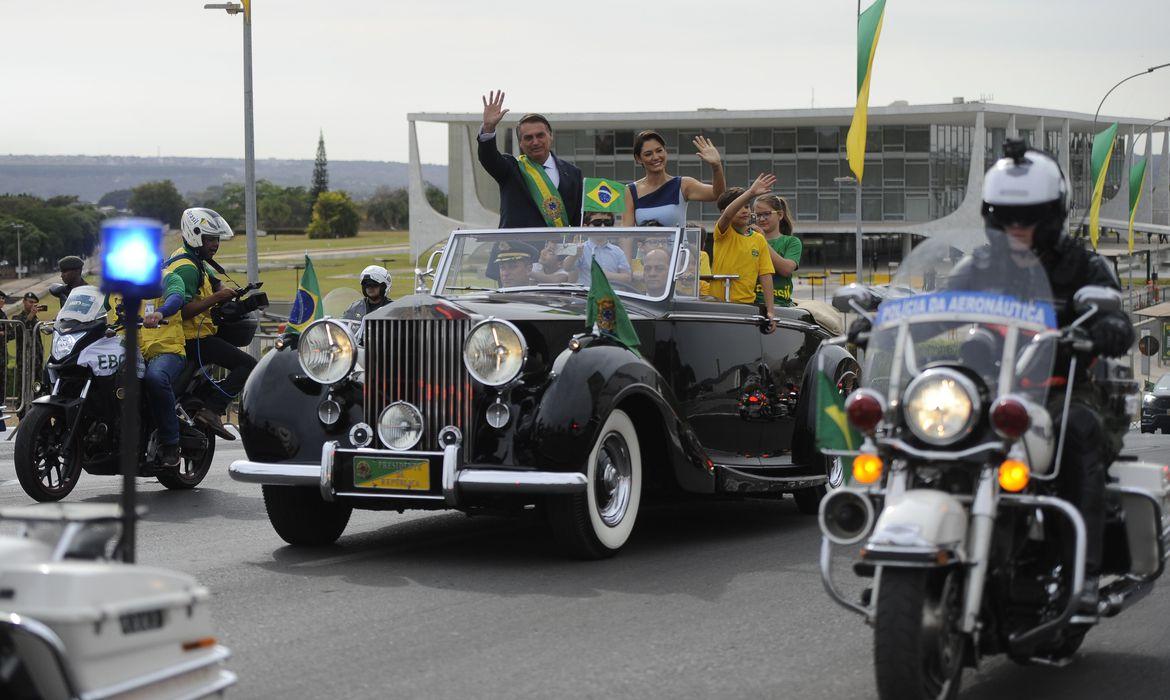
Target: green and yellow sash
548 199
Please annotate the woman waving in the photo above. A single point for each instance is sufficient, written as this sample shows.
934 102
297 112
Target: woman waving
662 198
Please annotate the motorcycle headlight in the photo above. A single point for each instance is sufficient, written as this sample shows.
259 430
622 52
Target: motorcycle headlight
1148 398
941 406
327 352
400 426
63 344
494 352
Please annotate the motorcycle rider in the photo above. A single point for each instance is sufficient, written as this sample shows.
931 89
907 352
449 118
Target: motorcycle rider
163 349
203 230
1025 207
375 282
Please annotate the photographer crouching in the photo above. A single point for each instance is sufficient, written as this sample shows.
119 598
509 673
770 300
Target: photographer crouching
206 343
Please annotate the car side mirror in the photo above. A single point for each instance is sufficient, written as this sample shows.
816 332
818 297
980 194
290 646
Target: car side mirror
1096 298
855 298
421 274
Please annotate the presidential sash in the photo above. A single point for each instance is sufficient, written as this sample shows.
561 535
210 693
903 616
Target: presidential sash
540 187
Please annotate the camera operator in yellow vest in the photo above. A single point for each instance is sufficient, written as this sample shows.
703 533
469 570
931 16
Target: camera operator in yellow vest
203 230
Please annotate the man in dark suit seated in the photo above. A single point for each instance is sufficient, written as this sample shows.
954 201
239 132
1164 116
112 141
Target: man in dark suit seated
537 189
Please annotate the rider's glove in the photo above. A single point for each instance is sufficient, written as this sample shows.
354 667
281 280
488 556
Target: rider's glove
1112 336
859 331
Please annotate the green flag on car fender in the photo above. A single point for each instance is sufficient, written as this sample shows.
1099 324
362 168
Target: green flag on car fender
606 314
833 429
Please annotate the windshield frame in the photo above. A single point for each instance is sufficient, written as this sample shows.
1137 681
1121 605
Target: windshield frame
677 234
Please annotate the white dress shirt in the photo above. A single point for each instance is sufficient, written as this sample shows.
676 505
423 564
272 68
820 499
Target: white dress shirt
550 164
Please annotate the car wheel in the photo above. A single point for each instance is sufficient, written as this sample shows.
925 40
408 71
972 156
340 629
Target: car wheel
301 517
597 523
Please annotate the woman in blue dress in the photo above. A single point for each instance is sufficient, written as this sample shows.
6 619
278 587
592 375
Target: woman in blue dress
662 198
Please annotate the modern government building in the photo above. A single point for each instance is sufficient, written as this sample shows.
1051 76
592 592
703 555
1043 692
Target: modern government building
923 173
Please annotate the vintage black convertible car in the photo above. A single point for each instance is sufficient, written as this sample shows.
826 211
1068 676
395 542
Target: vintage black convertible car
489 394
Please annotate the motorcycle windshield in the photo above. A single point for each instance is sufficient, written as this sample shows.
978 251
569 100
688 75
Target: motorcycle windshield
975 311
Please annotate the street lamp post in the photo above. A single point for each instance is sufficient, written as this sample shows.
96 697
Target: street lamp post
233 8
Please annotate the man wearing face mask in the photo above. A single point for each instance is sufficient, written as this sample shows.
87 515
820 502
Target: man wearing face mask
538 189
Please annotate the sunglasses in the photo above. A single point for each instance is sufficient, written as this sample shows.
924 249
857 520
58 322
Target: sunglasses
599 222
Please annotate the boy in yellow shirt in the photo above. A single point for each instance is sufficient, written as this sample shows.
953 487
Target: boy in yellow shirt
743 251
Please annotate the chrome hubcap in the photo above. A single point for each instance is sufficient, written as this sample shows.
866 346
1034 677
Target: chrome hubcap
613 479
836 473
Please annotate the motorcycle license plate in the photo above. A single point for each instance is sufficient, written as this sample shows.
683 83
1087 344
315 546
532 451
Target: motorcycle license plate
391 474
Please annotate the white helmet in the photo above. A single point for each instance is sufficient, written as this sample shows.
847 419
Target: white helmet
1026 187
378 274
199 222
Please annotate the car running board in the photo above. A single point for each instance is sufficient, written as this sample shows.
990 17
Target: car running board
750 481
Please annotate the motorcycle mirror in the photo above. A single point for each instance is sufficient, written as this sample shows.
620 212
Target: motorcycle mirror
1096 297
853 297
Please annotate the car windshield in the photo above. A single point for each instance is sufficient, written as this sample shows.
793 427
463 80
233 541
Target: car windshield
636 261
1164 382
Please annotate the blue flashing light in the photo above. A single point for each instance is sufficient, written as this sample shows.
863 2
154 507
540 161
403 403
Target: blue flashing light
132 257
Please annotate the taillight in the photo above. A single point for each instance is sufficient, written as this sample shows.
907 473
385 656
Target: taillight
864 408
1009 417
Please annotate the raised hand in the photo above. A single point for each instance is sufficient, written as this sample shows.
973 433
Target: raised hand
707 150
493 110
763 184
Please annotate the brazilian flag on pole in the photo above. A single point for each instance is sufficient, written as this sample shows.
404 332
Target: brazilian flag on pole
306 307
603 195
833 429
869 28
1102 154
1137 180
606 314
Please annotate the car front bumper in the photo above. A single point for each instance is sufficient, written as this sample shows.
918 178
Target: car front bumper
1157 419
458 479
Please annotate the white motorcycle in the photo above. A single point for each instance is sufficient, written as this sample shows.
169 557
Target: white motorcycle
953 511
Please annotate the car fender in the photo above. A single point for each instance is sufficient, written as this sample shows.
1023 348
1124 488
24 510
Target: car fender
587 384
921 518
835 360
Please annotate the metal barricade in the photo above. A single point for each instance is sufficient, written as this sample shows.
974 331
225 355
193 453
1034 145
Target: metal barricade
22 359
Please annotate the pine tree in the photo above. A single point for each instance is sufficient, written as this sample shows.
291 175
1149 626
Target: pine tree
320 171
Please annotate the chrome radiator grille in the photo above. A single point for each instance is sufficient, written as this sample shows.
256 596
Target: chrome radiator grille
420 362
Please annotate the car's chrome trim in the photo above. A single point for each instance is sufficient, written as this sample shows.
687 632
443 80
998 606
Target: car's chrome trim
692 316
280 474
220 681
326 482
504 481
451 475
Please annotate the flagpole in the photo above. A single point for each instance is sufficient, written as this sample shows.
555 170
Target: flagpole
859 238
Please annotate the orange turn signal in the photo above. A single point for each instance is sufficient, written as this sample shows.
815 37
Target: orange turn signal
1013 475
867 468
203 643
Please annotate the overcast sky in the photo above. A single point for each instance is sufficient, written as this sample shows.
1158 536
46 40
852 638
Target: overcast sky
165 76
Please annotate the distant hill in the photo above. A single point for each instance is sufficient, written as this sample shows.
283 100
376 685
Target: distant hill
89 177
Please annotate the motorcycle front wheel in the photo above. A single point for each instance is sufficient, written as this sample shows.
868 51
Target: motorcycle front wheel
42 472
193 466
918 647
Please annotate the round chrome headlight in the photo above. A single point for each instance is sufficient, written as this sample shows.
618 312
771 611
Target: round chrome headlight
494 352
400 426
327 351
941 406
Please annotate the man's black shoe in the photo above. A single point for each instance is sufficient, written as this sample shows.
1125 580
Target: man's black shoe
1090 595
169 456
210 419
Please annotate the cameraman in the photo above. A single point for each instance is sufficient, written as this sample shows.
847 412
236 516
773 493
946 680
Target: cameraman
203 230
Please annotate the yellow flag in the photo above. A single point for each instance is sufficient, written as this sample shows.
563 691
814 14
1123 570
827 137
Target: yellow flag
869 28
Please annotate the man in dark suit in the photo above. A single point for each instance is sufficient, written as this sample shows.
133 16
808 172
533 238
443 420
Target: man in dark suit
538 189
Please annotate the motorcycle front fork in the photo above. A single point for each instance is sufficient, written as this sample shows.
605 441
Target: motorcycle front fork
979 532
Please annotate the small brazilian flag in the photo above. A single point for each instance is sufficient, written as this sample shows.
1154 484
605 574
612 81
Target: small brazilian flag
603 195
606 312
833 429
306 307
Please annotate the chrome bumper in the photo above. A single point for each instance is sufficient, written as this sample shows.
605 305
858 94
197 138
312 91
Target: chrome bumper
456 479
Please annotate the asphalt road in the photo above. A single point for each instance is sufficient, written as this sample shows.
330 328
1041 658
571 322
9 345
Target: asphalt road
707 601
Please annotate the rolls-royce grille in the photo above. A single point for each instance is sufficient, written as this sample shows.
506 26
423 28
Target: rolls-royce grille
1162 402
420 362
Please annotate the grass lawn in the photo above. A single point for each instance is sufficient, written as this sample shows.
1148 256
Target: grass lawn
280 285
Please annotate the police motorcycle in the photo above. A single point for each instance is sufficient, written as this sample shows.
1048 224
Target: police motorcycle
960 543
76 427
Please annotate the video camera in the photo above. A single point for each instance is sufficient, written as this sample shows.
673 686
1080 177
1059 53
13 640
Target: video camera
236 320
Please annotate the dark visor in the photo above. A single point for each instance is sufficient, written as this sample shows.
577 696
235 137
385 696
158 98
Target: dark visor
1021 215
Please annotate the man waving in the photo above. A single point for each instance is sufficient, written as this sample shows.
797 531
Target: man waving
537 189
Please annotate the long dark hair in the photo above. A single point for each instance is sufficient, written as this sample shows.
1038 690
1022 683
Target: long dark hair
779 205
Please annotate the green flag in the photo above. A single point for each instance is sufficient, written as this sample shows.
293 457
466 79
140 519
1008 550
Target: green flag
603 195
606 312
1102 153
833 429
869 29
306 306
1137 180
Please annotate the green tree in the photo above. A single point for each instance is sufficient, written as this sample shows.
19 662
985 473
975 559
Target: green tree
320 171
118 199
388 209
158 200
33 241
437 199
334 216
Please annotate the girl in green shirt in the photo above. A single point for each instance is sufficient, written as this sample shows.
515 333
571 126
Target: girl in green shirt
774 219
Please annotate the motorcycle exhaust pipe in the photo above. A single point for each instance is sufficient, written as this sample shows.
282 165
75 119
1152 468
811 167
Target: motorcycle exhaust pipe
846 517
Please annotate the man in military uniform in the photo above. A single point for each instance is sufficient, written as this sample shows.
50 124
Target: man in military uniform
513 261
